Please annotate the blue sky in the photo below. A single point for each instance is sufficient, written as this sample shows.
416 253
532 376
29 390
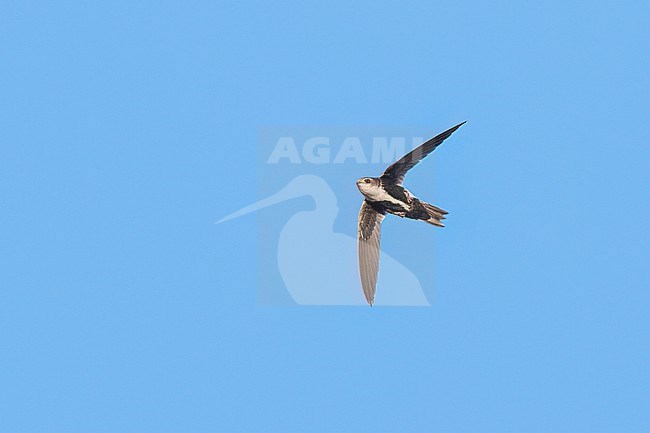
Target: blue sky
129 128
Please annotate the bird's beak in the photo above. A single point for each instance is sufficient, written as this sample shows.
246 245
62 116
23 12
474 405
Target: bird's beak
287 193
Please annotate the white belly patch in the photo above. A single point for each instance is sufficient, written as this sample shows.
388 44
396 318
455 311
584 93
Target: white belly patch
379 194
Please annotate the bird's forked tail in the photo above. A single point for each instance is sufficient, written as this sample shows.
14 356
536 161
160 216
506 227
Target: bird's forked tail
436 215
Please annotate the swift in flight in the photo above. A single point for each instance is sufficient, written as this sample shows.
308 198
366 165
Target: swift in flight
385 194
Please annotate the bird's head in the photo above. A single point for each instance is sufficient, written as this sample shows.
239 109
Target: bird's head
367 185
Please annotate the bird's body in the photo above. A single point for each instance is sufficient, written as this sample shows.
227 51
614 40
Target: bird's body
385 194
386 197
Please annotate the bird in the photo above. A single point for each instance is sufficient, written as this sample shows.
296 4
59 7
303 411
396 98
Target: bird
386 195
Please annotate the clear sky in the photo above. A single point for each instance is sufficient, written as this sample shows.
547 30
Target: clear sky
128 128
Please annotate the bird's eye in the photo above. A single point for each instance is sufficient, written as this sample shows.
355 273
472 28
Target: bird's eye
366 180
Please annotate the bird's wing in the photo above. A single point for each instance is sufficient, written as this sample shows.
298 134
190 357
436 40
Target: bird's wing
369 232
395 173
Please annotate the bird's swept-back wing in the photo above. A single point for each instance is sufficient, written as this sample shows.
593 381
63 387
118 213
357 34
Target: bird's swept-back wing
369 232
395 173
